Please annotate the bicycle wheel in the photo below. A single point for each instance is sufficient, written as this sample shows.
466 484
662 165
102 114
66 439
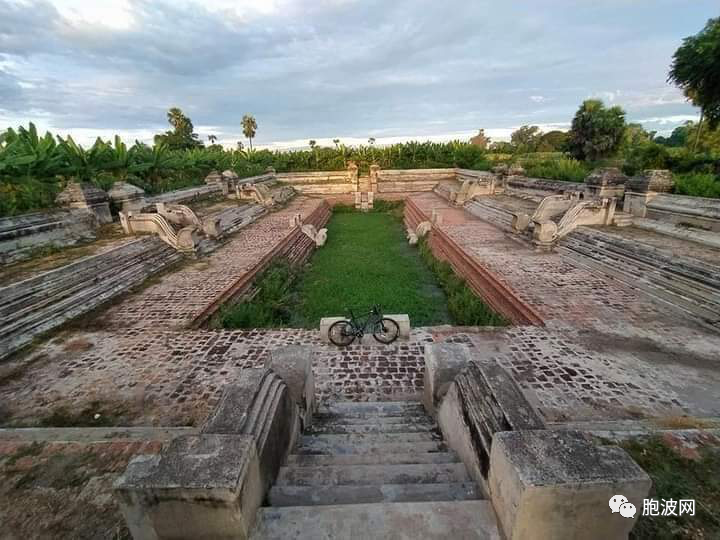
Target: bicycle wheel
341 333
386 331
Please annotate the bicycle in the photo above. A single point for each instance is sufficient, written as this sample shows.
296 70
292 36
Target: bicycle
384 330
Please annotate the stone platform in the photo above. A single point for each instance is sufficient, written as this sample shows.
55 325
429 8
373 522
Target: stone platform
590 350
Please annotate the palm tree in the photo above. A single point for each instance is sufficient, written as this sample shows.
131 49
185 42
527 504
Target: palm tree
176 118
212 139
249 127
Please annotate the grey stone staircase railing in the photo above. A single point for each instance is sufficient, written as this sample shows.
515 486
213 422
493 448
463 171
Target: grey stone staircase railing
211 485
543 484
43 302
686 284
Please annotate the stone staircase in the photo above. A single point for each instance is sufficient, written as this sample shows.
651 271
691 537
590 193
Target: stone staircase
496 215
43 302
689 285
622 219
374 470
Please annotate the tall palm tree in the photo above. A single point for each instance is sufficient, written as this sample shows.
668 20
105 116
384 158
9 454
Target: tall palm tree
212 139
176 118
249 127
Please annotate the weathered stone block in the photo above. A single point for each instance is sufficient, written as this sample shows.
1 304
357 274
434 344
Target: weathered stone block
259 404
557 485
293 363
88 197
205 486
443 362
606 182
483 400
127 197
653 180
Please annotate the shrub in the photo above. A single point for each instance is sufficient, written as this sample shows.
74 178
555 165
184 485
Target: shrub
465 307
646 155
567 170
272 305
698 185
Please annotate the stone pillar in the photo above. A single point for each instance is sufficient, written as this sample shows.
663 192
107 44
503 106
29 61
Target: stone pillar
87 197
374 177
606 182
293 363
352 174
201 486
641 189
127 197
557 485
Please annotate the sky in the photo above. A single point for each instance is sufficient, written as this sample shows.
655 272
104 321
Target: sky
350 69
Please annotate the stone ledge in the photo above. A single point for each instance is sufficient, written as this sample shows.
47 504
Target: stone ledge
557 485
205 486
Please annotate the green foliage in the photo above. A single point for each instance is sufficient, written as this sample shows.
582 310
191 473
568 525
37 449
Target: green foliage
181 137
526 139
567 170
367 261
698 185
553 141
249 126
645 155
465 307
696 69
596 131
480 140
675 477
678 138
272 306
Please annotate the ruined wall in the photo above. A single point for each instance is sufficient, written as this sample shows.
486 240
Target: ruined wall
319 183
412 180
21 235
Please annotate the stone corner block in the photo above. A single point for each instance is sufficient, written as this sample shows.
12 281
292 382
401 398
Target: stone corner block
201 486
443 362
293 364
547 484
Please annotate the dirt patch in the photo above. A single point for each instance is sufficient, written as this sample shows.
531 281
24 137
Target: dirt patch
63 490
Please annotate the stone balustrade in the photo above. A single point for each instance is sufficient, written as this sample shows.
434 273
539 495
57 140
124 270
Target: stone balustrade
543 484
211 485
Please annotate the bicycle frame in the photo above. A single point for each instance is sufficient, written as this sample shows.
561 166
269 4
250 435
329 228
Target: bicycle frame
374 316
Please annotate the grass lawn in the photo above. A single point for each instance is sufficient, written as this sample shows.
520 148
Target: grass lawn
367 261
676 477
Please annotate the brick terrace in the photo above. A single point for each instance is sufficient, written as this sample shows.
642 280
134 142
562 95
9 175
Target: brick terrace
606 353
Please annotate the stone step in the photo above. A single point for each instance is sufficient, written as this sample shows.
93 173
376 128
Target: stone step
360 408
330 419
299 460
346 439
316 447
338 428
384 493
466 520
362 475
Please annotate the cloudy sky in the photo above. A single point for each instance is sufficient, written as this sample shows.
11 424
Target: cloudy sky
351 69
